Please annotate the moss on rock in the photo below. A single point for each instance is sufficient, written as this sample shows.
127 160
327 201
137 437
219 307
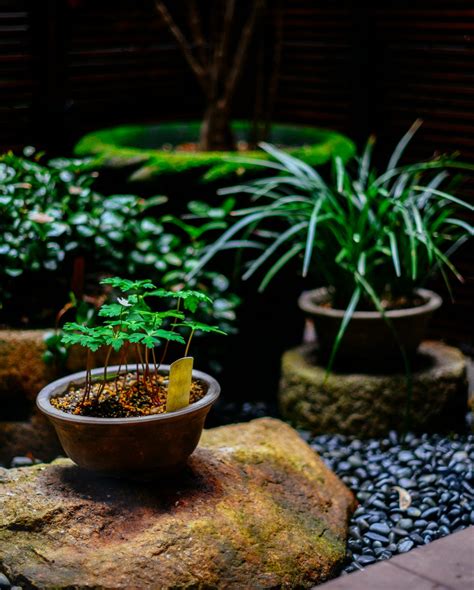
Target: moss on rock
256 508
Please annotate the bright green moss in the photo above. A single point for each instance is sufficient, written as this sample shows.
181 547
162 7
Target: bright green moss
127 145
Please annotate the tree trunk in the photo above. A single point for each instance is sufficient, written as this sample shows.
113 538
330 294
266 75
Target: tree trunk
216 133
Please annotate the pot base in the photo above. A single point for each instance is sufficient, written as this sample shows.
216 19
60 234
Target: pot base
372 404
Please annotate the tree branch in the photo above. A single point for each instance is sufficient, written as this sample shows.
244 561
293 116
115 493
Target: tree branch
277 55
196 30
222 46
242 50
185 46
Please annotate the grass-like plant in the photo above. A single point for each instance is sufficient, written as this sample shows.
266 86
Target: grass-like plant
132 325
372 237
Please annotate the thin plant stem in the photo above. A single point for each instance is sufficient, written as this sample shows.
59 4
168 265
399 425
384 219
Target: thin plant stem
123 361
88 382
189 343
173 326
147 364
140 356
137 348
104 379
155 366
156 370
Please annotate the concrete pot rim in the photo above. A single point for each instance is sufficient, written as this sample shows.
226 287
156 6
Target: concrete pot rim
60 385
309 303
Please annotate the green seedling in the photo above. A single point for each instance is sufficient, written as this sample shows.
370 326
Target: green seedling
131 323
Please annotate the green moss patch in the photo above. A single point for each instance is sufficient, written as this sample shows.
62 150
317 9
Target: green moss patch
135 145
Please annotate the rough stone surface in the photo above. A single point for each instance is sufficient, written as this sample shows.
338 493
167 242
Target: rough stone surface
22 370
256 508
371 405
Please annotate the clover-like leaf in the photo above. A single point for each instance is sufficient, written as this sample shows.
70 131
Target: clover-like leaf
111 310
127 285
200 327
191 299
169 335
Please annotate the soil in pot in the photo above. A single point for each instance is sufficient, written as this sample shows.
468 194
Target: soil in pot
125 396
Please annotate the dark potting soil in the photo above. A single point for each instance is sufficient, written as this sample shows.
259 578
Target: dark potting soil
124 397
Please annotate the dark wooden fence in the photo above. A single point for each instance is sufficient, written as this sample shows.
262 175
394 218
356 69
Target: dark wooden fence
67 67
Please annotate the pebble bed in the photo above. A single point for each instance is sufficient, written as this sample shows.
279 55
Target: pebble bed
433 474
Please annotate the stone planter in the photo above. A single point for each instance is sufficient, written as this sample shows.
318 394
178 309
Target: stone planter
368 341
23 372
372 404
144 446
145 154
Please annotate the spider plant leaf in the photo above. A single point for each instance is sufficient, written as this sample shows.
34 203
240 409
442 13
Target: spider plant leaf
460 223
343 327
361 263
279 265
444 195
402 144
423 166
446 283
225 237
293 164
252 189
410 231
399 185
237 244
256 162
365 162
433 184
340 174
282 201
313 221
281 239
444 258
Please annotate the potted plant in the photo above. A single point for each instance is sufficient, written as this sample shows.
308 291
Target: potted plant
372 240
140 420
57 229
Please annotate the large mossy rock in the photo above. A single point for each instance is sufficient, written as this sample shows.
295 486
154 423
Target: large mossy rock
370 405
147 151
256 508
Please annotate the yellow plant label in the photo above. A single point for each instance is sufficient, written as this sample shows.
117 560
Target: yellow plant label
179 386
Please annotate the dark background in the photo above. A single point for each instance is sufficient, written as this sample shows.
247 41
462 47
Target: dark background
67 67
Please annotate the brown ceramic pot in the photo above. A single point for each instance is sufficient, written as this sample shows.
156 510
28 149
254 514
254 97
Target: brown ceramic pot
368 340
144 447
